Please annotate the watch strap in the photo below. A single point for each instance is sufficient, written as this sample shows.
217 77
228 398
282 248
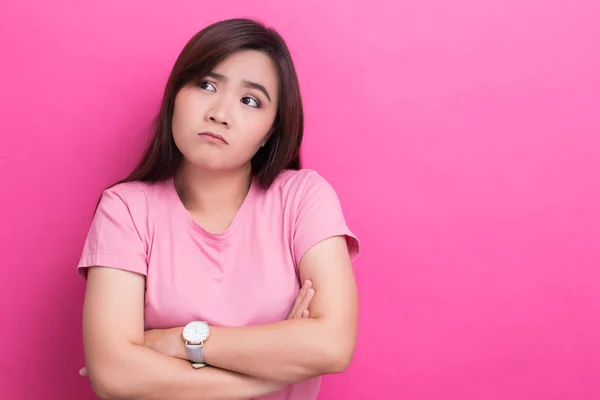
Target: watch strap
195 353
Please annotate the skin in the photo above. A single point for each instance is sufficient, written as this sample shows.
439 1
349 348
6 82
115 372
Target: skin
168 341
214 179
124 362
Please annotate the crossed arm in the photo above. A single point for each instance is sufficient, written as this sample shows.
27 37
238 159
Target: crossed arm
245 362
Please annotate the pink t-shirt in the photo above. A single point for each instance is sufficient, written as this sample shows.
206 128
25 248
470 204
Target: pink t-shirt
247 275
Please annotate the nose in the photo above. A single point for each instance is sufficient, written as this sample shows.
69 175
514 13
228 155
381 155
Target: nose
219 113
218 120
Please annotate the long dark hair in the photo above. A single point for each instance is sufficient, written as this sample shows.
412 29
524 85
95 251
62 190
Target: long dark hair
201 54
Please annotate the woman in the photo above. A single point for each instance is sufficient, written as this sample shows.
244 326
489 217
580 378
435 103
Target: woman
197 258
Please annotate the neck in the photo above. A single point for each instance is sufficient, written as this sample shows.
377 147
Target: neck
207 191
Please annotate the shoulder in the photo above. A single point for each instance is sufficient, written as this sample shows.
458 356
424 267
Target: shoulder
301 190
130 193
300 182
315 209
136 198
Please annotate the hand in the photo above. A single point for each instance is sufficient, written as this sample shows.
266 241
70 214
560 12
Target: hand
305 296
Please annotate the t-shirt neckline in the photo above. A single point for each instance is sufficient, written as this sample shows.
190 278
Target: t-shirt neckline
195 226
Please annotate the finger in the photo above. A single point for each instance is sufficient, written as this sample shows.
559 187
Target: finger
305 302
301 299
83 371
296 303
305 314
307 284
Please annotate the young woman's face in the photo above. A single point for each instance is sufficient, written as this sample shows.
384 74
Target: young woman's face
220 121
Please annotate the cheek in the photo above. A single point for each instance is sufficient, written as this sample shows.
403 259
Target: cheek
176 129
178 121
188 108
253 138
184 123
258 127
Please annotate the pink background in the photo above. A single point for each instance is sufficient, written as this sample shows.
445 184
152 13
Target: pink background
463 138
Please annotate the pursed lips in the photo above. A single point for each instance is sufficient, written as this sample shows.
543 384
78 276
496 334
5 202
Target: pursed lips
214 135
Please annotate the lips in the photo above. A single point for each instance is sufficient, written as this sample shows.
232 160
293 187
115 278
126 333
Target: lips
214 136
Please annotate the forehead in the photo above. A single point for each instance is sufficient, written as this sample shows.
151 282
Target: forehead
249 65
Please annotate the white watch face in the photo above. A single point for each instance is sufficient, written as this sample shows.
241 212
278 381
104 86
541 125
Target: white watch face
196 332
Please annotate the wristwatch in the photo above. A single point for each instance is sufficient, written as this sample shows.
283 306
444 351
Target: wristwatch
195 334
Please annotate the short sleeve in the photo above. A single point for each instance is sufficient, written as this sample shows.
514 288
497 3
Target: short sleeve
113 239
319 216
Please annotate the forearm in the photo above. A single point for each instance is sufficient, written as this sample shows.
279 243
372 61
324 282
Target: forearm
288 351
144 374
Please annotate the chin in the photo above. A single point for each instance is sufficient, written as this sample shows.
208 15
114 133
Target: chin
209 164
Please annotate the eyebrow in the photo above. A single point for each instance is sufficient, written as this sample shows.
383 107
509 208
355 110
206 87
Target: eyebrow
245 83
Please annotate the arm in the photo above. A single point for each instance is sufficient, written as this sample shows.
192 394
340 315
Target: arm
119 365
299 349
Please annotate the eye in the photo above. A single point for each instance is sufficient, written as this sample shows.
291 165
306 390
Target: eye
250 101
207 86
